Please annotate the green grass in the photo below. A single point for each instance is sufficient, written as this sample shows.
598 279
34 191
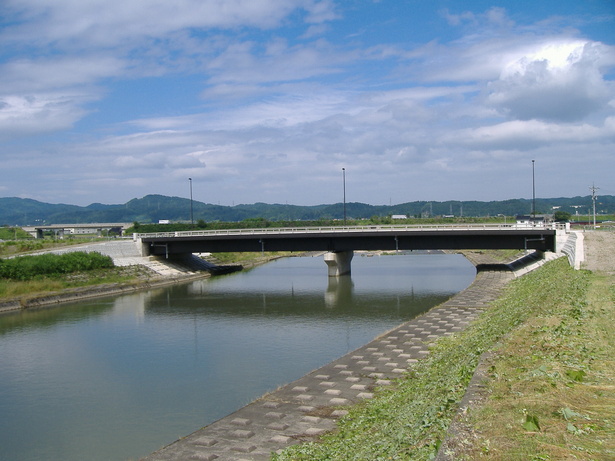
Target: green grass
52 265
10 289
557 370
248 258
14 233
410 420
15 247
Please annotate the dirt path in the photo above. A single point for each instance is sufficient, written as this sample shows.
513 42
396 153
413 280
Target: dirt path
599 251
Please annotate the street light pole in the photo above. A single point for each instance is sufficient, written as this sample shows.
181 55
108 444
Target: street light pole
593 188
533 191
191 214
344 179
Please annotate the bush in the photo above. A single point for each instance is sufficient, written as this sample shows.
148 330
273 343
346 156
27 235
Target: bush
29 267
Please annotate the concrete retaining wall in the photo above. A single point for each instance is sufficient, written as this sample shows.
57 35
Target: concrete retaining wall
573 249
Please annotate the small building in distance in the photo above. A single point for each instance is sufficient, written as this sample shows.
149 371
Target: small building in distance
538 220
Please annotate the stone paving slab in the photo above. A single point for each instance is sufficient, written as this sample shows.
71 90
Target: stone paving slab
310 406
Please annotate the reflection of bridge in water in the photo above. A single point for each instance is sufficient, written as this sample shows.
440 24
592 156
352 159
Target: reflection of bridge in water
340 242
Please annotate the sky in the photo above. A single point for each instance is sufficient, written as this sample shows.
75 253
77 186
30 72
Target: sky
305 101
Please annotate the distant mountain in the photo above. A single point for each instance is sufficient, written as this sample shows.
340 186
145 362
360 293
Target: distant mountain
152 208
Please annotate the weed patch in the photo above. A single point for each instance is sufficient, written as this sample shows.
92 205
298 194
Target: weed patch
50 265
10 289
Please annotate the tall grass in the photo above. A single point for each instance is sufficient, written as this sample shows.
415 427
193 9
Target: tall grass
52 265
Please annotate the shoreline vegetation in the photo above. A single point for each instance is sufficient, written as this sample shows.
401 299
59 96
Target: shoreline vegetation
47 288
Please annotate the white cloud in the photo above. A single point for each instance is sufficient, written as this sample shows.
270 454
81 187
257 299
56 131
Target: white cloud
557 80
27 115
24 75
75 24
530 134
74 47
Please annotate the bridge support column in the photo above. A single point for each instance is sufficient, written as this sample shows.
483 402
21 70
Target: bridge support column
339 262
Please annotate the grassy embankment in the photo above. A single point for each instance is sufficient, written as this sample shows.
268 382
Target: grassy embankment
550 389
44 283
250 259
16 242
29 276
11 289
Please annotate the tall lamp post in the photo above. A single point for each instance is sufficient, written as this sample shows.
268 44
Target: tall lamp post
191 214
344 180
533 192
593 188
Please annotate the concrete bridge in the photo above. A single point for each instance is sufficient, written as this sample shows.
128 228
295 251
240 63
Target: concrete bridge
340 242
61 230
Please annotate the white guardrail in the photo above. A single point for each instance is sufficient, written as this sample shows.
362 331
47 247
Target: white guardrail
337 229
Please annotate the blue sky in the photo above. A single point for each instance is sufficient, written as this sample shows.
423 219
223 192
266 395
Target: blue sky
267 100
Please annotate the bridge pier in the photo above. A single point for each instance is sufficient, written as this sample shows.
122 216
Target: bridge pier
338 262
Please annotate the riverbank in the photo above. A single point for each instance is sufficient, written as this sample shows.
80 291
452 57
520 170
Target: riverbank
543 390
133 278
546 391
50 298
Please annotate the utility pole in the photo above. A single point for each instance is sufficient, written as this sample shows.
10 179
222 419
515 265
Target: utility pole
593 188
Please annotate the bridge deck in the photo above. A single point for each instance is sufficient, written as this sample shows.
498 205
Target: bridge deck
351 238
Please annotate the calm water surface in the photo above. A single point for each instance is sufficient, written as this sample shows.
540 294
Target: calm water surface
117 378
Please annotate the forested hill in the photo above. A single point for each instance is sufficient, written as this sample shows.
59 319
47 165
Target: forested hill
152 208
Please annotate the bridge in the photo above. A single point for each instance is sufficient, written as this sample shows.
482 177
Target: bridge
60 230
340 242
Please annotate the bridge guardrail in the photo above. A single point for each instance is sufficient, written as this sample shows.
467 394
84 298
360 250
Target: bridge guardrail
336 229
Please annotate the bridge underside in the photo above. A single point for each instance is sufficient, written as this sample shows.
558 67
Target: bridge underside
530 239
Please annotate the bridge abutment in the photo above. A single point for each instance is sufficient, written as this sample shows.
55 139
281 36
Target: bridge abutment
339 262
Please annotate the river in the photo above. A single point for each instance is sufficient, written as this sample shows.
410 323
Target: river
119 377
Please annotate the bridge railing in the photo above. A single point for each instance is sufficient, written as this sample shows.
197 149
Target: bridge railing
335 229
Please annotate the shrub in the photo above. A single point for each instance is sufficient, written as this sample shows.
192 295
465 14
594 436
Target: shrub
29 267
